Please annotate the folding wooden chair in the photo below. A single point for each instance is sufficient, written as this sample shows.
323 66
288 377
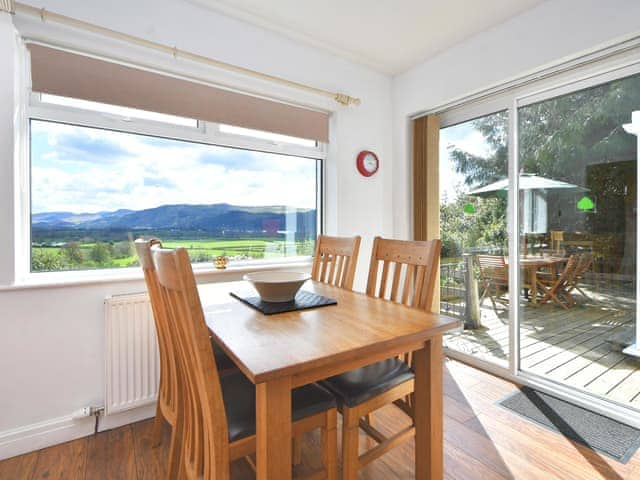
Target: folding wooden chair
557 290
584 265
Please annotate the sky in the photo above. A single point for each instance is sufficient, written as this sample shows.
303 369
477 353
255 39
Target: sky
78 169
467 138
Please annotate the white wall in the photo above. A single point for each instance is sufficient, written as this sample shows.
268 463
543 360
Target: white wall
546 34
51 339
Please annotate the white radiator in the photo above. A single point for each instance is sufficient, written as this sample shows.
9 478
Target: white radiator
132 369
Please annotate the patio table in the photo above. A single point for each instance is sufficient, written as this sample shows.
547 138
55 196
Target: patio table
531 265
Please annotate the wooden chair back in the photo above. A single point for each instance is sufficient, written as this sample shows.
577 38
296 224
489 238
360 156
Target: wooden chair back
557 237
168 390
205 447
493 268
570 270
335 260
414 264
584 264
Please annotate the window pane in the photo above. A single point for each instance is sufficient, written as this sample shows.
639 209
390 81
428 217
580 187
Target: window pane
93 191
578 192
273 137
473 229
116 110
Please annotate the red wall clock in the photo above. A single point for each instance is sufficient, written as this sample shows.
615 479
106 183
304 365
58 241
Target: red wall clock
367 163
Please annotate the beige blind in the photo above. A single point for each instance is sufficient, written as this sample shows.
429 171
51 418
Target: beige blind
68 74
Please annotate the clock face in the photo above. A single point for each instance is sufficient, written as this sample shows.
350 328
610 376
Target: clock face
370 163
367 163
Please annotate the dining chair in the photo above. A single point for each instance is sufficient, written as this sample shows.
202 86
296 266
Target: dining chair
494 276
217 415
403 272
334 263
167 404
335 260
557 289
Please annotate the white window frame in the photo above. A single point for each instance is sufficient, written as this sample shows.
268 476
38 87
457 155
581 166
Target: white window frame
205 133
609 67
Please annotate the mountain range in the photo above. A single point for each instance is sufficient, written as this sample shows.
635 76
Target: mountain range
209 218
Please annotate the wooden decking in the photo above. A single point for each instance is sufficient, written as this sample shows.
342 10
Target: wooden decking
482 441
575 347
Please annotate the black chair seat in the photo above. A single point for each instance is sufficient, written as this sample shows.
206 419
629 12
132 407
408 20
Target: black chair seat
358 386
240 404
223 361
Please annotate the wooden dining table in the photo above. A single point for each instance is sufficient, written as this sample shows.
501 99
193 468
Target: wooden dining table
284 351
532 264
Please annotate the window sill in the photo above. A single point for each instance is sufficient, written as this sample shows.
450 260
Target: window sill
204 273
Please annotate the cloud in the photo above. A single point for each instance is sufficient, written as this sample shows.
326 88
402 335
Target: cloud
158 182
467 138
67 143
120 170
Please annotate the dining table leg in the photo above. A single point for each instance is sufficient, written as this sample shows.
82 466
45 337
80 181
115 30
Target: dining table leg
273 430
428 411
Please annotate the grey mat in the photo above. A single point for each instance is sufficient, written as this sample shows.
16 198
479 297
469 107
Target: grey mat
596 431
304 300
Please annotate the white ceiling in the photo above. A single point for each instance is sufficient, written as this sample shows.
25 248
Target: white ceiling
388 35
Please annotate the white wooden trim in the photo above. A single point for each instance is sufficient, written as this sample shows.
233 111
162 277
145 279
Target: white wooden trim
51 432
569 64
43 434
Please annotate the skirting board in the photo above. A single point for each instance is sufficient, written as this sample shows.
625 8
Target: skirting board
43 434
63 429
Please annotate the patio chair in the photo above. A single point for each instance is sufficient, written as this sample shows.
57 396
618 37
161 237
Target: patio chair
557 289
557 237
584 265
494 276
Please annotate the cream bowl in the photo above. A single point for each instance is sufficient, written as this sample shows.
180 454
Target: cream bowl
277 286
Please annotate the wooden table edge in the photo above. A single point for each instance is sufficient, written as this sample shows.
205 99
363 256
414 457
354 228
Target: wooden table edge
355 358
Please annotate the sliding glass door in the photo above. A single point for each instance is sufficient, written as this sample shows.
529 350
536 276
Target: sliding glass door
473 272
539 221
578 188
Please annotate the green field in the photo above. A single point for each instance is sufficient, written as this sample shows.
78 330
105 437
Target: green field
96 255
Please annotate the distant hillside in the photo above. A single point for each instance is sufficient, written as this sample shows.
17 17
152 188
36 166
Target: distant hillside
217 218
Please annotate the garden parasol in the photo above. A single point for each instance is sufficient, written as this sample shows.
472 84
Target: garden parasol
534 214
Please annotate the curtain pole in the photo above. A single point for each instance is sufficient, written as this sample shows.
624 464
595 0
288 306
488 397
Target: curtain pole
46 15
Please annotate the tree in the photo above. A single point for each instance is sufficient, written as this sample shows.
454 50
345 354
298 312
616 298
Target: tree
45 260
480 170
577 138
484 229
73 253
100 253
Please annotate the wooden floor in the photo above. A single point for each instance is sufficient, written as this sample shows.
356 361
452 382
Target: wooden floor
482 442
569 346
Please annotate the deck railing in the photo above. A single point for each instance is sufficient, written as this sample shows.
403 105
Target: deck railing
459 290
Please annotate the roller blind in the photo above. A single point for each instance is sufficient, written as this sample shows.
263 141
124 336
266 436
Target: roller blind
73 75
